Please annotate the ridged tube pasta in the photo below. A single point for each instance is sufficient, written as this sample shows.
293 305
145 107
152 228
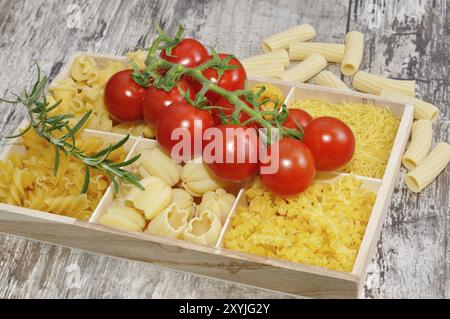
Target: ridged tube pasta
204 229
332 52
271 70
374 84
422 109
197 180
171 222
123 218
306 69
157 163
304 32
328 79
219 203
353 53
183 200
276 56
431 167
421 139
153 200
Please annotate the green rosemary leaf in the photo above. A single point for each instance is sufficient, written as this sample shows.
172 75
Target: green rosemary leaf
87 177
113 147
21 133
56 163
126 163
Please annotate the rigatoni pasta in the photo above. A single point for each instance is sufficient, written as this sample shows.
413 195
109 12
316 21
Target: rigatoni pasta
421 139
431 167
422 109
374 84
306 69
332 52
353 53
328 79
279 56
304 32
270 70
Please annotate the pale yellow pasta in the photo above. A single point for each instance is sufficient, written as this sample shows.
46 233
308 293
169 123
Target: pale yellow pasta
276 56
328 79
135 129
171 222
64 92
282 40
81 67
424 174
197 180
204 229
270 70
123 218
420 146
138 57
422 109
218 202
353 53
183 200
306 69
77 105
158 163
374 84
332 52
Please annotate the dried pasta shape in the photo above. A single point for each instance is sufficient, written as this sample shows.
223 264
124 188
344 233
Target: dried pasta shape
328 79
204 229
81 67
123 218
138 57
306 69
420 146
424 174
374 84
183 200
353 54
197 180
271 70
261 60
304 32
332 52
159 164
218 202
171 222
156 196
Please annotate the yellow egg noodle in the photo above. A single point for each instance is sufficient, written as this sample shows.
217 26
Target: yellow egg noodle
27 179
323 226
374 129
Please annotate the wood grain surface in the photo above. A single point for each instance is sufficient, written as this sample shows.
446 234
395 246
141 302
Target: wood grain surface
404 39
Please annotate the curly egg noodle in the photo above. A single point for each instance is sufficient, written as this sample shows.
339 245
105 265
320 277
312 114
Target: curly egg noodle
323 226
374 128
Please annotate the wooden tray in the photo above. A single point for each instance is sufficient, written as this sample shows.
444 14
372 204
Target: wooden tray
218 262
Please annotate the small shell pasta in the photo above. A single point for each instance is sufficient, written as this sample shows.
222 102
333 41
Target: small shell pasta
422 109
218 202
328 79
171 222
157 163
306 69
204 229
374 84
183 200
276 56
429 169
197 180
304 32
332 52
353 53
421 139
123 218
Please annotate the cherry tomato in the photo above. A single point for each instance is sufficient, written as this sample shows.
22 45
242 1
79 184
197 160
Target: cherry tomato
232 154
331 142
296 170
230 80
303 118
188 125
189 53
124 98
157 100
227 109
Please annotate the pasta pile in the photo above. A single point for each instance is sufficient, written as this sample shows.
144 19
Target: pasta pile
322 226
374 129
83 91
27 179
168 205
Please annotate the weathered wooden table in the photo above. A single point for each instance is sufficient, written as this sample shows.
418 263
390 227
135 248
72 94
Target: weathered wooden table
404 39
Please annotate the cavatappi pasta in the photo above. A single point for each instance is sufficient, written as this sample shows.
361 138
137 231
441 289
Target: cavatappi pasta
332 52
323 226
353 53
374 129
306 69
27 178
374 84
328 79
304 32
429 169
422 109
420 146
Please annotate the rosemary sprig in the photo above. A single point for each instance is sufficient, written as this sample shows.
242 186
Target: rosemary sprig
57 131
